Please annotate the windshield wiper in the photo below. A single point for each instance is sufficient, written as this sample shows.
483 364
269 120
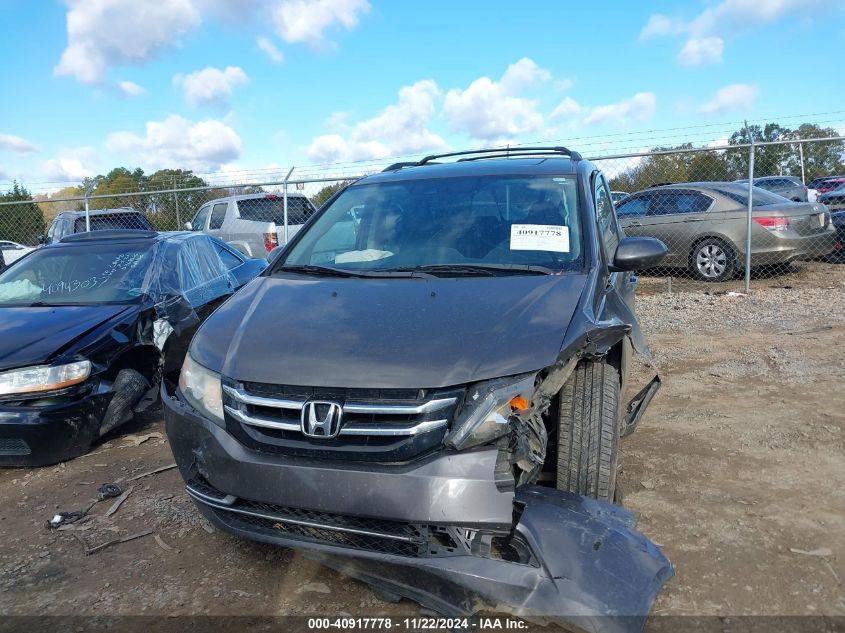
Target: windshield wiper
487 270
328 271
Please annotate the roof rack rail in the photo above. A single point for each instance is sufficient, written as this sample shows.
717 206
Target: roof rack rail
497 152
505 152
396 166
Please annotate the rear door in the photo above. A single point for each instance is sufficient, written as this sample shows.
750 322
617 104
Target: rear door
677 217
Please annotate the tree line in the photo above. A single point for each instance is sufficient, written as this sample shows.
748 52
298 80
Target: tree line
823 158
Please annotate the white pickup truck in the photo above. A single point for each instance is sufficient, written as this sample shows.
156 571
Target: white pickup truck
252 223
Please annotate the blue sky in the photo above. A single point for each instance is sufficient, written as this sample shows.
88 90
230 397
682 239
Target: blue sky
252 86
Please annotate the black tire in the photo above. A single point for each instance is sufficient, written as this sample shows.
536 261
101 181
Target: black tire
128 387
712 259
588 430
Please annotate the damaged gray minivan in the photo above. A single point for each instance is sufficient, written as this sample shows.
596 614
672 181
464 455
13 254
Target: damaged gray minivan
424 390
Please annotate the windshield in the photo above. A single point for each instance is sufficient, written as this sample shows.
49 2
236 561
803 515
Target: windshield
272 209
82 274
492 221
762 197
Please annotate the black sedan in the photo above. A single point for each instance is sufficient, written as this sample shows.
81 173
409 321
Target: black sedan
91 324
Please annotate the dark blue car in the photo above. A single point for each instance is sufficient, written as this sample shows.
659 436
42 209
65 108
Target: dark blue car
90 326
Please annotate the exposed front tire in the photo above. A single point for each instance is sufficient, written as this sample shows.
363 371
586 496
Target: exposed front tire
129 387
588 430
712 259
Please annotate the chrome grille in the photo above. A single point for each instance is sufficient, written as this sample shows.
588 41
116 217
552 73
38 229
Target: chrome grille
385 424
284 414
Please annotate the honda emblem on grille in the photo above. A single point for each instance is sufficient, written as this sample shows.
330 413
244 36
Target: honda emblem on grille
321 419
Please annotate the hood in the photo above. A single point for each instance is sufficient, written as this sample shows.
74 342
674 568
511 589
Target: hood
389 333
33 336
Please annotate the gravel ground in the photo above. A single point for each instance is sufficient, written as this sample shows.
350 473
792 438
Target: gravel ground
737 470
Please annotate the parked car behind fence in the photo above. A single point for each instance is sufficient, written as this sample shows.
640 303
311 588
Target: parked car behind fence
790 187
70 222
704 225
12 251
253 223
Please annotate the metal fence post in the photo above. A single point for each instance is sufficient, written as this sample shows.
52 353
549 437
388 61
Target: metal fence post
179 226
88 191
286 202
750 204
801 156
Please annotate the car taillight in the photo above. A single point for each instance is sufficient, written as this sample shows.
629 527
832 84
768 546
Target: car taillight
271 241
773 223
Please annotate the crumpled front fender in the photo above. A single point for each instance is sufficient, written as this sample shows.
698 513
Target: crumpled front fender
591 568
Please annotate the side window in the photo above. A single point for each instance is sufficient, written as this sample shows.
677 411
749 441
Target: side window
663 203
51 232
608 229
218 213
691 202
200 219
633 206
202 276
229 259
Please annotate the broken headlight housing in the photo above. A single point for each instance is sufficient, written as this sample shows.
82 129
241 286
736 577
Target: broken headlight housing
488 408
30 380
202 389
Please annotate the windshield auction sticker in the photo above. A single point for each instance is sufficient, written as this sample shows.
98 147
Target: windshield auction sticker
540 237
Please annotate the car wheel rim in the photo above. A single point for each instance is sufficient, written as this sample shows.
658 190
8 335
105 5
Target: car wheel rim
711 261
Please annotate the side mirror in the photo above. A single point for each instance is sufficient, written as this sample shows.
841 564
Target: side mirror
188 226
638 253
42 239
273 254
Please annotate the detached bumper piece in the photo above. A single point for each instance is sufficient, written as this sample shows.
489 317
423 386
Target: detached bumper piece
569 559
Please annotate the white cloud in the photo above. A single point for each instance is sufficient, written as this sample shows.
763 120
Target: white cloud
210 86
203 146
270 49
488 109
305 21
105 32
17 144
660 25
722 141
727 17
401 128
71 165
702 51
636 109
733 98
130 89
566 109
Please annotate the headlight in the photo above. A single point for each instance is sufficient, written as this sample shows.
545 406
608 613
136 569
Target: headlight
201 388
489 406
43 378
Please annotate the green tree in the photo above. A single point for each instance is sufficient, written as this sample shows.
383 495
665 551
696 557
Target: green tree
327 192
822 158
769 160
21 221
170 211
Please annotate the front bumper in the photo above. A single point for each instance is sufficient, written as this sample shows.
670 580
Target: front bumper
43 435
454 488
443 532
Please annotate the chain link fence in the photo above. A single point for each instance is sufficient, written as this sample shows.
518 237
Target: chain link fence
728 215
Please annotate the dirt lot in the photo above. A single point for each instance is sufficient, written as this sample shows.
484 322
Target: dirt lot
737 471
